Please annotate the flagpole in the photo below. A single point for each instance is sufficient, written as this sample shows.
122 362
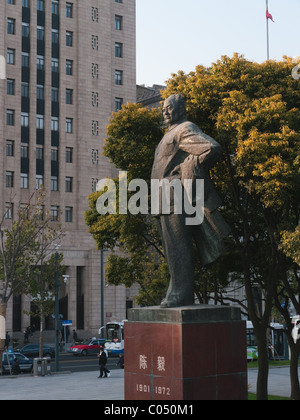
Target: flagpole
268 45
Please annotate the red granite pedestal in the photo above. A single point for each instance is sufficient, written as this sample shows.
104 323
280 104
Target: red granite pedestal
196 352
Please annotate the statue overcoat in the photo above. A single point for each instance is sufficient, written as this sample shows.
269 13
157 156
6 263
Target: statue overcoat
185 152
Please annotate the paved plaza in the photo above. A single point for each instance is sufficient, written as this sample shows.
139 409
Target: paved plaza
87 385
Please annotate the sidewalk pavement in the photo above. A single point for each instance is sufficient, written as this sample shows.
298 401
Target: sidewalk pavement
63 386
278 383
87 386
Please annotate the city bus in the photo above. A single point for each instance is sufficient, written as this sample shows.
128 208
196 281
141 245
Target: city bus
276 342
113 332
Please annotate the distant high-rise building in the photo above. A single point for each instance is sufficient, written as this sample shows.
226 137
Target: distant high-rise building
69 65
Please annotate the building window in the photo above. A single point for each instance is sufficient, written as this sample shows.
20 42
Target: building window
10 147
54 123
118 77
8 210
55 65
40 122
95 14
25 90
118 50
69 182
11 24
40 92
24 151
69 96
25 30
24 181
54 94
10 86
69 39
40 5
95 71
69 67
95 99
95 42
95 128
69 124
40 33
10 117
55 7
24 209
39 182
118 1
69 154
95 156
55 36
54 183
118 104
25 60
25 3
10 57
9 179
69 214
54 155
69 10
40 62
10 1
94 184
118 23
24 119
39 152
54 213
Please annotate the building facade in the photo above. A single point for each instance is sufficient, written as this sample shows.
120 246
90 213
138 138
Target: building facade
69 65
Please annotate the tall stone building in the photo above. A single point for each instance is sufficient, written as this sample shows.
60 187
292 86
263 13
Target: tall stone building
69 65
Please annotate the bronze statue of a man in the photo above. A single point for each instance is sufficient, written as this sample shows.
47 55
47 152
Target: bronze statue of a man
185 152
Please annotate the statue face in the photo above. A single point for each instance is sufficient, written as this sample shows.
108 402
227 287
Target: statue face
172 112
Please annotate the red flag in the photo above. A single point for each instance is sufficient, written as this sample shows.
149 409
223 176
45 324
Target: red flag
269 16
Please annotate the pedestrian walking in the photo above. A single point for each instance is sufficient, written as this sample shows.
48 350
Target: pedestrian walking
16 367
102 364
74 336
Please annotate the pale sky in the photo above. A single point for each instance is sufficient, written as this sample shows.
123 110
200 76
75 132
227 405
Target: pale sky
175 35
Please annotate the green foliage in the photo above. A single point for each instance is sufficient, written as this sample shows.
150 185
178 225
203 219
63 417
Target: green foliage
133 134
291 244
25 244
252 110
41 285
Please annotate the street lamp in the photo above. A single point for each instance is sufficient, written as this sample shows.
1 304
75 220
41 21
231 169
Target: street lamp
102 284
65 277
56 309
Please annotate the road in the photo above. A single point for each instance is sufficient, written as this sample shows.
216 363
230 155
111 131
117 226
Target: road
68 362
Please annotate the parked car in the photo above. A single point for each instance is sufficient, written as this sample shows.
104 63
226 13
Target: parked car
90 346
32 350
25 364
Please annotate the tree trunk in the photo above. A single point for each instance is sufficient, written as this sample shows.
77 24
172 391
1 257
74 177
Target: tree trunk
2 331
295 387
263 365
41 338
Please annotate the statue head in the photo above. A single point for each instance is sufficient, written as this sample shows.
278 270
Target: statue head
174 109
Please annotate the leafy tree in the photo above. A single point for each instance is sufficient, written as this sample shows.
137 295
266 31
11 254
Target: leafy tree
25 244
133 134
253 111
290 244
